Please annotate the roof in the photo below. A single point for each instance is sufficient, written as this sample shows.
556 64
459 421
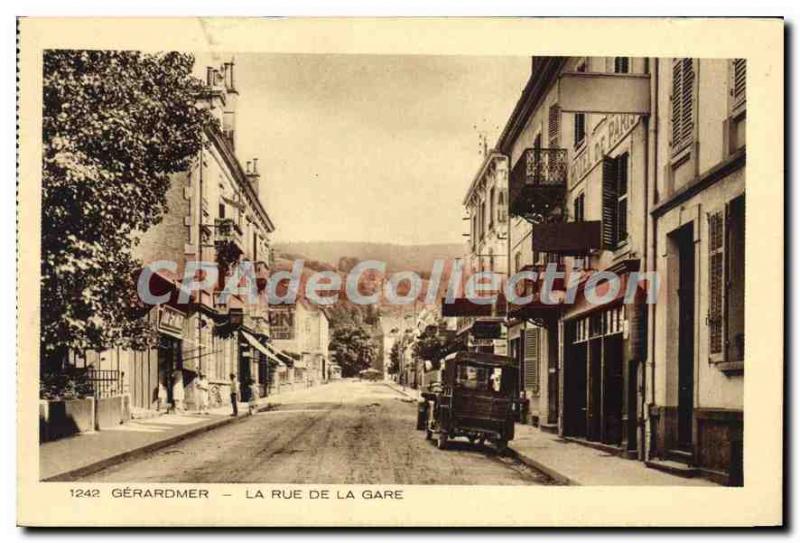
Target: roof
491 157
482 359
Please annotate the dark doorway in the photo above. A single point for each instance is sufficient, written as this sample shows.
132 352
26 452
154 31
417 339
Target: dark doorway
169 359
595 390
684 240
552 373
574 384
613 386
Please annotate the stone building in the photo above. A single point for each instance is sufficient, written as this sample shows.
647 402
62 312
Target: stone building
698 225
215 216
632 166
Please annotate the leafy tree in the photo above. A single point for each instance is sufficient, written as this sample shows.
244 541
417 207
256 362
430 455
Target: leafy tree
355 350
116 125
395 356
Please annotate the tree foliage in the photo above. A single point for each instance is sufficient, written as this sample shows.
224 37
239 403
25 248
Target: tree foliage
354 348
116 125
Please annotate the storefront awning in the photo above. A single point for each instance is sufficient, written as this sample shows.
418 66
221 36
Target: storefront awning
260 347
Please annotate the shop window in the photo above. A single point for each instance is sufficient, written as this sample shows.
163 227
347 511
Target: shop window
615 201
726 282
683 104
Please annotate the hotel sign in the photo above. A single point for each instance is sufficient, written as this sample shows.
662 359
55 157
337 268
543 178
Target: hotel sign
171 321
281 322
610 132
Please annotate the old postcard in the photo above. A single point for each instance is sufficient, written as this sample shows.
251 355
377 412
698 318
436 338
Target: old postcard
399 272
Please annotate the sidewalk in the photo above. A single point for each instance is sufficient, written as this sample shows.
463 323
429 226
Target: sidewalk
575 464
73 457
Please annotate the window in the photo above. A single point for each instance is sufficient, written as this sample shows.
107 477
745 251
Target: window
531 359
726 282
502 212
517 261
491 208
221 210
738 85
578 207
554 126
580 120
621 65
474 236
491 260
615 201
683 77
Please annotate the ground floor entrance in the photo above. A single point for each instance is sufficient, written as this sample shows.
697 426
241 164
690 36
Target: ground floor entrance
595 384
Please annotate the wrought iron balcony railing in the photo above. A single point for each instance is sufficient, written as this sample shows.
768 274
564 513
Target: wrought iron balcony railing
228 230
538 182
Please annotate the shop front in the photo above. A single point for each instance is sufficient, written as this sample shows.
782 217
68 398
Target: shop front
602 372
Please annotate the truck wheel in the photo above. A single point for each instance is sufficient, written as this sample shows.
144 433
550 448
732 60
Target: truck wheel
428 434
441 441
501 445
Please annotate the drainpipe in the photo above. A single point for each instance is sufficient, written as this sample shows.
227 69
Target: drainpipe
651 255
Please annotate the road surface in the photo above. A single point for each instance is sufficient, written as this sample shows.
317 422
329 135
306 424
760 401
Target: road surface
346 432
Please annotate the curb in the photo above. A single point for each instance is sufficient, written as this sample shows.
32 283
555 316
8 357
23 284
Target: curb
559 478
99 465
397 389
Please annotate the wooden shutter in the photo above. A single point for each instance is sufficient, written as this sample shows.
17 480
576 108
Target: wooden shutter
682 103
554 126
738 83
531 356
716 283
610 173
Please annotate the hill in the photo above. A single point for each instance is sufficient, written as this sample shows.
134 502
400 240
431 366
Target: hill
417 258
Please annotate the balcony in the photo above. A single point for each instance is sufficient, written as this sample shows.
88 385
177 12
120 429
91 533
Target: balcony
229 231
538 182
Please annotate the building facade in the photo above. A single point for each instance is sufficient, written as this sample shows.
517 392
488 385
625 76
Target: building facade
632 167
301 335
486 209
698 218
214 216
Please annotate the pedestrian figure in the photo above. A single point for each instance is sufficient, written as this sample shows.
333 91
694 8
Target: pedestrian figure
234 384
177 391
162 397
252 403
202 394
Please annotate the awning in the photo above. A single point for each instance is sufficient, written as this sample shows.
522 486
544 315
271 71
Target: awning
260 347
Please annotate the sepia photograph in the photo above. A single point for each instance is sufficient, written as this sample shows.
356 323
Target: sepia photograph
276 269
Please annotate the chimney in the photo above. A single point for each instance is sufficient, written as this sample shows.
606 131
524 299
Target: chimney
229 109
251 171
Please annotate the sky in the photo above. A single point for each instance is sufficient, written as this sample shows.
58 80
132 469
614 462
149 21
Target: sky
372 148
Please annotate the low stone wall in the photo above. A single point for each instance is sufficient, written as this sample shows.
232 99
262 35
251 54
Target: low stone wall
112 411
62 418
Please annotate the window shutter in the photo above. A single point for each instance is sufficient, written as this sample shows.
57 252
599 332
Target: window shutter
610 172
738 83
554 126
682 103
716 282
531 355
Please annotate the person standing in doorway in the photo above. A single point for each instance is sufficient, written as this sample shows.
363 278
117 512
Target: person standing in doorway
202 394
177 391
234 384
252 402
